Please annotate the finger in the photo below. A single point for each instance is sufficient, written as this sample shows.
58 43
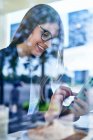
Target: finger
84 105
74 93
61 92
85 93
57 97
75 112
80 110
77 107
81 103
67 89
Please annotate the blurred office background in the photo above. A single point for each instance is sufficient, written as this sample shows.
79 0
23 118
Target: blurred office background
77 17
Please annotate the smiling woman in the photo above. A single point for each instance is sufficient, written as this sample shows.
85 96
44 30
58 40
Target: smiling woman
39 36
41 30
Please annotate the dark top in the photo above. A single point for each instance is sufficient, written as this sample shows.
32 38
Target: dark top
9 60
14 97
8 57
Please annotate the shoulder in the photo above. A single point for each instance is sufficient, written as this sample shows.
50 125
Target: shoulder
5 50
10 50
2 50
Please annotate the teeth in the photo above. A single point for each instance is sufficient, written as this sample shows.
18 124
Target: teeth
40 47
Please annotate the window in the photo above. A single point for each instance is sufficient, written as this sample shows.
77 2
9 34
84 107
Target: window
13 29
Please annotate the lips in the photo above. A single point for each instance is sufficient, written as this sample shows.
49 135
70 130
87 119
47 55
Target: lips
40 49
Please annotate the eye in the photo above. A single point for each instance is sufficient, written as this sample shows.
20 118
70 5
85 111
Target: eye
46 34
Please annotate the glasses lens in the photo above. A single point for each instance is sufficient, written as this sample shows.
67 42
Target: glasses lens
46 35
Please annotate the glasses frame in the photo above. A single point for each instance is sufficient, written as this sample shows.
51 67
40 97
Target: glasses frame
45 30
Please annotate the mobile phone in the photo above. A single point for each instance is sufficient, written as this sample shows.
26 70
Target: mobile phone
67 102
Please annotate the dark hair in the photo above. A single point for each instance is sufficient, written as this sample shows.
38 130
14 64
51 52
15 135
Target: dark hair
39 14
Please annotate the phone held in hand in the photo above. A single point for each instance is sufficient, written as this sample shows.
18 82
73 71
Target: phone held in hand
82 94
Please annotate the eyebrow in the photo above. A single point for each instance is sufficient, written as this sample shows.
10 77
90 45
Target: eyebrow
44 29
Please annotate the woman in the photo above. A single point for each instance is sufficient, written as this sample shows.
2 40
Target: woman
38 31
35 35
39 34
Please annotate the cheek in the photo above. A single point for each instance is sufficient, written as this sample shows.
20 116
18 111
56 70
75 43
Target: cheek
48 43
33 43
36 36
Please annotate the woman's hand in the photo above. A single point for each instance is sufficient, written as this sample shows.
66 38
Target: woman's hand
80 107
55 107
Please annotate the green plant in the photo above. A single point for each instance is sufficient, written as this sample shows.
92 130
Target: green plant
25 105
43 107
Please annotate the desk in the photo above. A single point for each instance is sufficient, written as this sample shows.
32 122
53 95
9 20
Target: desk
60 129
55 131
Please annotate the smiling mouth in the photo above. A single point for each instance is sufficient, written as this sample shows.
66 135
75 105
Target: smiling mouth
40 49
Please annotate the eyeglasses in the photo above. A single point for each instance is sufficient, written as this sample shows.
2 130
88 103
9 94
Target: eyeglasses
46 35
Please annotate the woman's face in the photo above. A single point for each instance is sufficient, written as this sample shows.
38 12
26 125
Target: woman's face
40 38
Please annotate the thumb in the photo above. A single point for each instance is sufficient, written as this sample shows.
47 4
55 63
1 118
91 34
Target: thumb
74 93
